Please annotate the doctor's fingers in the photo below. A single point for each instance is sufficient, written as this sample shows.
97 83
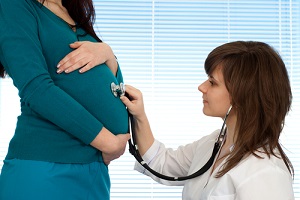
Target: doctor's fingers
133 93
135 107
133 97
127 103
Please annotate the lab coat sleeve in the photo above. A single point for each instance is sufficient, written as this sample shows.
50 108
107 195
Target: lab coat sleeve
174 163
269 183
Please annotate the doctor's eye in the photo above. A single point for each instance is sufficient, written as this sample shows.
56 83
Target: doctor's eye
211 82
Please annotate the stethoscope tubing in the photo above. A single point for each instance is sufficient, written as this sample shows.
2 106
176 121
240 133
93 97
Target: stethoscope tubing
133 149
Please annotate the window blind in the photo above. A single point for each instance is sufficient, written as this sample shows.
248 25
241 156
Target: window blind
161 47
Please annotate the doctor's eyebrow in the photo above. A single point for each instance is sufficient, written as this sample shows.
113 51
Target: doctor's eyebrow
212 78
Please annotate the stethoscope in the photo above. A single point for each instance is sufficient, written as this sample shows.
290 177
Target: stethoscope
133 147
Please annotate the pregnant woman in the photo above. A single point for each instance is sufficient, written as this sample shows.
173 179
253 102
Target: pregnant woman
72 124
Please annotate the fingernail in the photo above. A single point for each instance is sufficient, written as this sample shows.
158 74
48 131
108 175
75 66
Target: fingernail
58 71
58 66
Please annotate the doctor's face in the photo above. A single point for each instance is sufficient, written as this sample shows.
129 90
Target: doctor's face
216 98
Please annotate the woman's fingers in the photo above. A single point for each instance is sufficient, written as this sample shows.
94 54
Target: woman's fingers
71 62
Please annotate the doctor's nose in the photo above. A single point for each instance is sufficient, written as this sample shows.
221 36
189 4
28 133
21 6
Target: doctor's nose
202 87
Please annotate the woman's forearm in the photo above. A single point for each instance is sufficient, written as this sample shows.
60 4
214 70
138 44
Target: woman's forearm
143 134
112 146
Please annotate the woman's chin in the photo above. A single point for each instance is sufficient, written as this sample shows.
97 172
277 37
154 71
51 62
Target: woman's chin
205 111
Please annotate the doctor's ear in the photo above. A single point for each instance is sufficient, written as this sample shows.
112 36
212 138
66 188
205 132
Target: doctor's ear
234 107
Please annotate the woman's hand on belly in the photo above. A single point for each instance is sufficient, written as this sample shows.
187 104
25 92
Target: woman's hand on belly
87 55
112 146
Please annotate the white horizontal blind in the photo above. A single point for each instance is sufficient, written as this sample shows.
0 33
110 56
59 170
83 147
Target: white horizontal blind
161 47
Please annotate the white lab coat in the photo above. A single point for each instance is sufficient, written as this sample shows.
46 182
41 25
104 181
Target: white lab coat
252 179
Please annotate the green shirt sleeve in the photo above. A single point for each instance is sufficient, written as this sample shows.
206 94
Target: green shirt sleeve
22 56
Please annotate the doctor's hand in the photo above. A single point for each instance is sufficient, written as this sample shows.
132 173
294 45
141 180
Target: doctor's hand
135 105
87 55
134 101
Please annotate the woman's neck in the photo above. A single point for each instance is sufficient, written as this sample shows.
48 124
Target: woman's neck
59 10
230 132
58 2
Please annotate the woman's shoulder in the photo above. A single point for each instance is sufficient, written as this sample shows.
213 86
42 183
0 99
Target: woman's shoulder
17 2
17 5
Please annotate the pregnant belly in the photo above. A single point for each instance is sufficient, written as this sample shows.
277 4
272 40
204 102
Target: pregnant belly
93 91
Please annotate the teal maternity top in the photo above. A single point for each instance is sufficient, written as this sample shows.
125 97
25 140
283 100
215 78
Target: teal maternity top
61 114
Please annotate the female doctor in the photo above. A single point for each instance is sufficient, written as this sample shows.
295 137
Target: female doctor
248 83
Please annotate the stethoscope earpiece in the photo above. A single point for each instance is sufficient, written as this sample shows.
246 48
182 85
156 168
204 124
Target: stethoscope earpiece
228 111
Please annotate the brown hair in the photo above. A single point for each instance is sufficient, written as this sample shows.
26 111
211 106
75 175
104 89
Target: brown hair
258 82
2 71
82 12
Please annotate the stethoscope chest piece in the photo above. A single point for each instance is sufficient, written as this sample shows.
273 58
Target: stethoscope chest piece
117 90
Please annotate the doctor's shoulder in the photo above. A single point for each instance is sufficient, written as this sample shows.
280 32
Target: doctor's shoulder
207 141
205 144
262 173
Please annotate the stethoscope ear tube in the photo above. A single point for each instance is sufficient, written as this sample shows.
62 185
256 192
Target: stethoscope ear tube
133 149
